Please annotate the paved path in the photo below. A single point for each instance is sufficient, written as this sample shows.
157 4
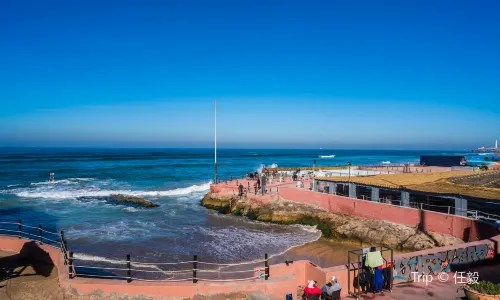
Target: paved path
417 291
24 280
436 289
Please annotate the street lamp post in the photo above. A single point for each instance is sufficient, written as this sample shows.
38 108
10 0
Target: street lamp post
349 164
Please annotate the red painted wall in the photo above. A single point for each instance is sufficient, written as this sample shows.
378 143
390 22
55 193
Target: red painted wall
464 228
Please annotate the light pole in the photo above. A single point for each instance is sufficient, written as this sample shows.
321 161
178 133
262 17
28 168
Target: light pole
349 164
215 142
314 182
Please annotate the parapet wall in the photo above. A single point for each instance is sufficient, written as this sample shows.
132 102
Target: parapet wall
276 286
283 279
465 229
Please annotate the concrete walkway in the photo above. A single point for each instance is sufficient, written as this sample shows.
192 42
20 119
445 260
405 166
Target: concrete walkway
436 289
23 279
417 291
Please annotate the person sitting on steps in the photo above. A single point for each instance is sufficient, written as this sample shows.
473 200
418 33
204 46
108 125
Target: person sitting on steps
311 291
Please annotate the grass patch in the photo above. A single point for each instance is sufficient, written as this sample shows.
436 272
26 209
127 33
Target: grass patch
251 215
237 211
486 287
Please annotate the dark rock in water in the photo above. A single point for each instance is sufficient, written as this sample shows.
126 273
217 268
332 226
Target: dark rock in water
133 200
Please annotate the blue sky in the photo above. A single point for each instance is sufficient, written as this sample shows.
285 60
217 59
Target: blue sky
305 74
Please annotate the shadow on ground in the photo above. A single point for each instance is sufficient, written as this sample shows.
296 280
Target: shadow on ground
28 275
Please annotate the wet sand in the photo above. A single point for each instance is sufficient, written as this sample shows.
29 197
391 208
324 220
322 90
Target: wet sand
323 252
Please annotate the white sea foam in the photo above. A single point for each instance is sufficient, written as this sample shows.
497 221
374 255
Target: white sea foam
233 241
131 209
385 162
483 154
95 258
262 166
53 192
81 179
62 181
327 156
89 257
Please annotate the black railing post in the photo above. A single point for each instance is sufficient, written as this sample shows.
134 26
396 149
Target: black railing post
63 247
129 272
195 265
266 267
65 242
70 265
20 229
40 233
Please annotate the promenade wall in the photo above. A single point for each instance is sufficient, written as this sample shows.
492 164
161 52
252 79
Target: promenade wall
277 286
465 229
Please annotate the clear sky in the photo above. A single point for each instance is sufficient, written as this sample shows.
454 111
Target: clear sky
306 74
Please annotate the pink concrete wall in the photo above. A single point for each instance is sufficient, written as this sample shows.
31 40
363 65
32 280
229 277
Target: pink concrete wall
463 228
495 166
283 279
277 286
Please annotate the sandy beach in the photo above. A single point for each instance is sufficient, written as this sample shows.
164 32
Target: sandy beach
323 252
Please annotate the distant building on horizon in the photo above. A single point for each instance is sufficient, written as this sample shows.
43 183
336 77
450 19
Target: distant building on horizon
484 149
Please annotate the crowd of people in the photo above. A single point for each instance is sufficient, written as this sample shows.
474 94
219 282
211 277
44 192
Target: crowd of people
259 185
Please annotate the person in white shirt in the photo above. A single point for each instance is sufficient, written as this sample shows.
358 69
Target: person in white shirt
332 286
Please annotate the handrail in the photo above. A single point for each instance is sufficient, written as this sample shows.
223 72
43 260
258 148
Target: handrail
474 214
78 270
30 235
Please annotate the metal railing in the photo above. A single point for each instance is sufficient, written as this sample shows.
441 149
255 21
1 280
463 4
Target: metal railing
193 270
447 209
38 234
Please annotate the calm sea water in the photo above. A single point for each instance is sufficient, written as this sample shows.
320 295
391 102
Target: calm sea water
176 179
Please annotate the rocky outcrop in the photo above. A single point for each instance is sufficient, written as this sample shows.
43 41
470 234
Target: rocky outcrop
334 226
123 199
217 202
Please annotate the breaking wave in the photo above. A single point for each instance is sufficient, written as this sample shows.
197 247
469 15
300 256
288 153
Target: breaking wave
62 181
262 166
327 156
385 162
53 192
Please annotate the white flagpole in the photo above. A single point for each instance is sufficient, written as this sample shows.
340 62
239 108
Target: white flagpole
215 142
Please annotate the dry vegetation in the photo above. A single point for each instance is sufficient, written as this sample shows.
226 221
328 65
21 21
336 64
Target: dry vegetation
486 179
454 182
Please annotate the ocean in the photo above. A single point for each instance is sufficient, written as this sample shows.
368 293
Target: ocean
176 179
